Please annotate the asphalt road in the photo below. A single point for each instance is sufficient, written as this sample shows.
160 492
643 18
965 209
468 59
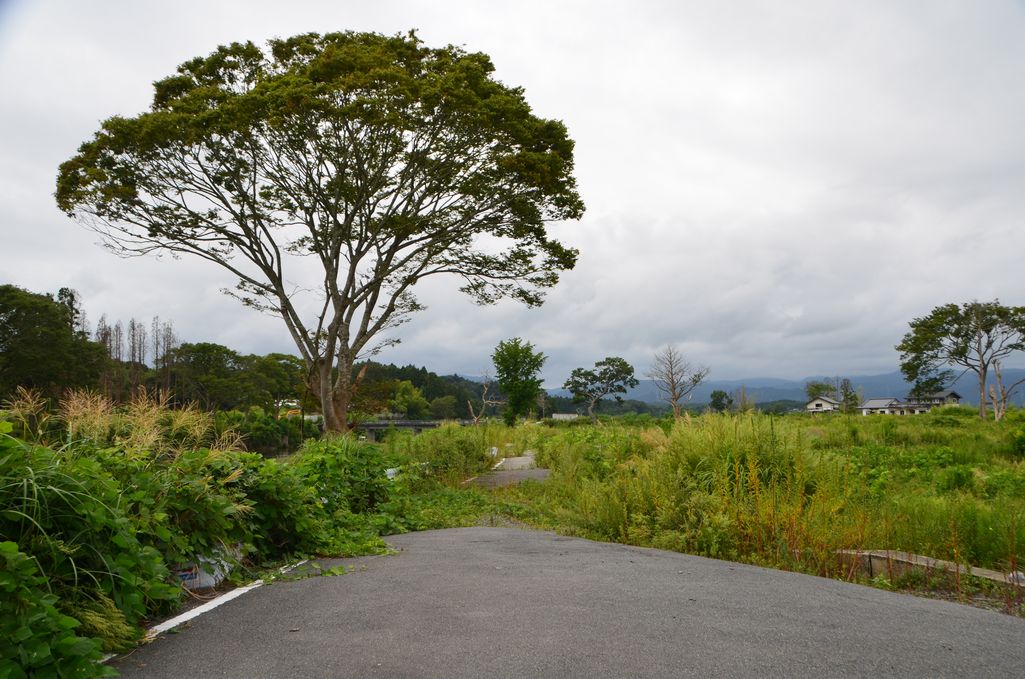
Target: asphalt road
508 477
504 602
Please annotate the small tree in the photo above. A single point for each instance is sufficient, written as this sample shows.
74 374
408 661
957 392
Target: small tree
720 401
408 401
848 396
976 336
742 403
443 407
517 367
675 377
819 388
611 376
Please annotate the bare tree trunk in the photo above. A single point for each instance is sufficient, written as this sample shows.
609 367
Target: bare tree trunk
998 394
320 384
983 369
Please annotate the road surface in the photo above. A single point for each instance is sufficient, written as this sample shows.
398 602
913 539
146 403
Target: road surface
505 602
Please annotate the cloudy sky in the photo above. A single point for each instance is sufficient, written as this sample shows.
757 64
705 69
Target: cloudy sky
776 188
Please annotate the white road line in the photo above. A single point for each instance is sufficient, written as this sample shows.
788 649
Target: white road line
168 625
499 463
199 610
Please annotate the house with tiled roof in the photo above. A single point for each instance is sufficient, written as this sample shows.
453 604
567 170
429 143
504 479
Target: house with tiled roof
822 404
912 406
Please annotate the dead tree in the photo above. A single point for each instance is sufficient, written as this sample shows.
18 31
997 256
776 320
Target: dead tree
999 394
676 378
486 385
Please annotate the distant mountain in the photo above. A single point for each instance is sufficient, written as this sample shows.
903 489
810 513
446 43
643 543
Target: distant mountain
764 389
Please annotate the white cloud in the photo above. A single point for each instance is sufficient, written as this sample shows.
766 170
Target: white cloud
776 187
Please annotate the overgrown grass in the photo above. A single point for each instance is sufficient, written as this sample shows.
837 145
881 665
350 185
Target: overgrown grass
789 491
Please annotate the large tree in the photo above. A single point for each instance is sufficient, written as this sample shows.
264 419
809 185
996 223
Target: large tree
611 376
378 159
675 377
975 337
517 370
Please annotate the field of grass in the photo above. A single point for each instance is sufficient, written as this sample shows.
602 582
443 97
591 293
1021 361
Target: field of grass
788 492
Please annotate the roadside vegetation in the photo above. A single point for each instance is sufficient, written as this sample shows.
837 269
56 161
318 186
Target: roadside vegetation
100 505
789 492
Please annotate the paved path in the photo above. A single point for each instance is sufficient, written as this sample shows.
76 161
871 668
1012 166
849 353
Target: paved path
504 602
512 470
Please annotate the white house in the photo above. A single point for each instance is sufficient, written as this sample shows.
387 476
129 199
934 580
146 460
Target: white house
822 404
917 406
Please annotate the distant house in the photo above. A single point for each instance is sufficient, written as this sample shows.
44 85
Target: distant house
886 405
912 406
822 404
565 417
946 397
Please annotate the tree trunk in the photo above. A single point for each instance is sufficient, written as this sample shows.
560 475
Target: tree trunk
982 391
590 411
321 385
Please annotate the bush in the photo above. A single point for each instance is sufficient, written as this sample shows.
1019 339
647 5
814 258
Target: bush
65 514
35 638
264 434
1018 443
347 475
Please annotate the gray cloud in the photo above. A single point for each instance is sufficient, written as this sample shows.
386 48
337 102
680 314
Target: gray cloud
776 188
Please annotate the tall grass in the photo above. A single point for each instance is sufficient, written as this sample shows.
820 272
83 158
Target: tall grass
791 491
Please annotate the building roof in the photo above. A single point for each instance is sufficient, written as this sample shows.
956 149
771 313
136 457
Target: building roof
824 398
884 402
945 393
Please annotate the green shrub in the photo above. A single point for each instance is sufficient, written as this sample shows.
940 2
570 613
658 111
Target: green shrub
957 477
64 512
1018 444
265 434
347 475
451 451
36 639
287 516
184 506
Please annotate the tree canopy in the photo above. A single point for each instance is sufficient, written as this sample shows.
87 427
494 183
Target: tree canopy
975 337
375 157
517 368
720 401
611 376
41 345
817 388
